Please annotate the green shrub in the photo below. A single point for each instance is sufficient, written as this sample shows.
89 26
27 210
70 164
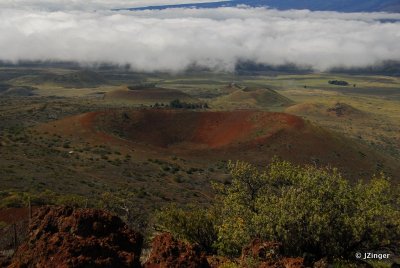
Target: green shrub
178 178
124 205
66 145
308 209
72 200
193 224
13 200
229 264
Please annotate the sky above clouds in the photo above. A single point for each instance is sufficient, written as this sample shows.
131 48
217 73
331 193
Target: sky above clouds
173 39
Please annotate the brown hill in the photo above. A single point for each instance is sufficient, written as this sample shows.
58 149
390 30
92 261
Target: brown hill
74 79
338 109
230 88
262 98
147 95
202 130
253 136
342 109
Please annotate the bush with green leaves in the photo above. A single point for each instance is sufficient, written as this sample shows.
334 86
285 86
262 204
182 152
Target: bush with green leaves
307 209
191 223
124 204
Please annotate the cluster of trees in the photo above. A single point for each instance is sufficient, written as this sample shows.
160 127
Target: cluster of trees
177 104
308 209
338 82
142 86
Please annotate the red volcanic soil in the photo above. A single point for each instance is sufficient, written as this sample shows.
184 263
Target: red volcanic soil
177 128
170 252
254 136
80 126
13 215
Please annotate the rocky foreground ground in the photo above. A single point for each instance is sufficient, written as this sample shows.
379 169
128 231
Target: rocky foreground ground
68 237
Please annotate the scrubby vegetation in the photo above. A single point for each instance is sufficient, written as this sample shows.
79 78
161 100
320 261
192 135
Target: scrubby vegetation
338 82
192 223
11 199
142 86
307 209
177 104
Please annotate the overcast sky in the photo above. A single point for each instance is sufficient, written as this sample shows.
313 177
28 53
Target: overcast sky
173 39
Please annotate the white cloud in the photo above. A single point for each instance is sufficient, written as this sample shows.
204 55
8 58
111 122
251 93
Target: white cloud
54 5
173 39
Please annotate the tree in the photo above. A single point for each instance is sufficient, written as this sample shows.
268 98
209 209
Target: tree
185 105
175 104
338 82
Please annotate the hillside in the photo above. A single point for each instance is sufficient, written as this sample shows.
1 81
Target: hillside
73 79
147 95
206 137
22 91
261 98
338 109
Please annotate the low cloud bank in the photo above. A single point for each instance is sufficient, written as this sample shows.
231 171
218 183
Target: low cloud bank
174 39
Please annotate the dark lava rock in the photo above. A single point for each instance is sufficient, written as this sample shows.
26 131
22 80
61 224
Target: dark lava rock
167 252
67 237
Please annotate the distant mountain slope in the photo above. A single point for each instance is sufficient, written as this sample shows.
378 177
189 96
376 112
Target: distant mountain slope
150 95
255 98
76 79
322 5
24 91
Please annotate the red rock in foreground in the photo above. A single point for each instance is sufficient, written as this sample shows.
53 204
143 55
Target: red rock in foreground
67 237
167 252
263 251
268 255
